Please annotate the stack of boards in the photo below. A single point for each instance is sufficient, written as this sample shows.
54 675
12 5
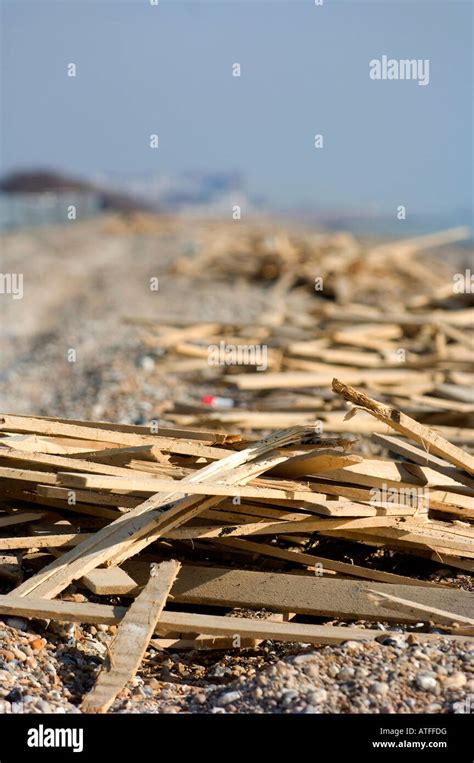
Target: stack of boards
177 520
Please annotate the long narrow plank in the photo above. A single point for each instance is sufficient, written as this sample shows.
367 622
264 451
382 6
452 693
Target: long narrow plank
27 475
20 518
63 462
149 520
186 622
313 595
133 636
88 496
190 434
308 560
422 457
120 439
417 609
407 426
63 540
300 379
153 484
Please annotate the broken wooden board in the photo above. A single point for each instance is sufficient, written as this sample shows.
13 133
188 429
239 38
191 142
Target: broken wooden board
424 436
132 638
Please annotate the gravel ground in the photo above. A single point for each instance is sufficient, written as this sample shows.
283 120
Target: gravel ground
79 281
49 668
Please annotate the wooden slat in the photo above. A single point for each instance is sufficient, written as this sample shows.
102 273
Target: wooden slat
424 436
131 641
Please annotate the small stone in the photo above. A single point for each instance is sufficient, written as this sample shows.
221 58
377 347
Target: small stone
171 709
14 695
302 659
288 697
426 681
354 646
379 687
312 671
345 674
37 644
228 698
44 706
395 641
455 681
201 699
17 622
317 696
147 363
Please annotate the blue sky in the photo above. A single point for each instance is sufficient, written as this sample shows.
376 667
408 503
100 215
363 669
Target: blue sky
305 70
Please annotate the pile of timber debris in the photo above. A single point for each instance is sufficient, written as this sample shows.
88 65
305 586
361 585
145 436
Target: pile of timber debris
164 518
376 317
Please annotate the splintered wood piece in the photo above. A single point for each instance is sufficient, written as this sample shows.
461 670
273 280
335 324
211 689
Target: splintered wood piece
133 636
426 437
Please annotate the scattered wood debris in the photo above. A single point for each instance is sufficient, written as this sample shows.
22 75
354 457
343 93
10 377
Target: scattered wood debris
233 521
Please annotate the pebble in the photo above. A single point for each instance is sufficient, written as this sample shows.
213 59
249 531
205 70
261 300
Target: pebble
433 708
228 698
426 681
37 644
456 681
18 623
302 659
317 696
288 697
346 674
379 687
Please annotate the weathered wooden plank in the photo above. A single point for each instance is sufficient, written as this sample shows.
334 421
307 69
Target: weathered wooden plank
186 622
131 641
